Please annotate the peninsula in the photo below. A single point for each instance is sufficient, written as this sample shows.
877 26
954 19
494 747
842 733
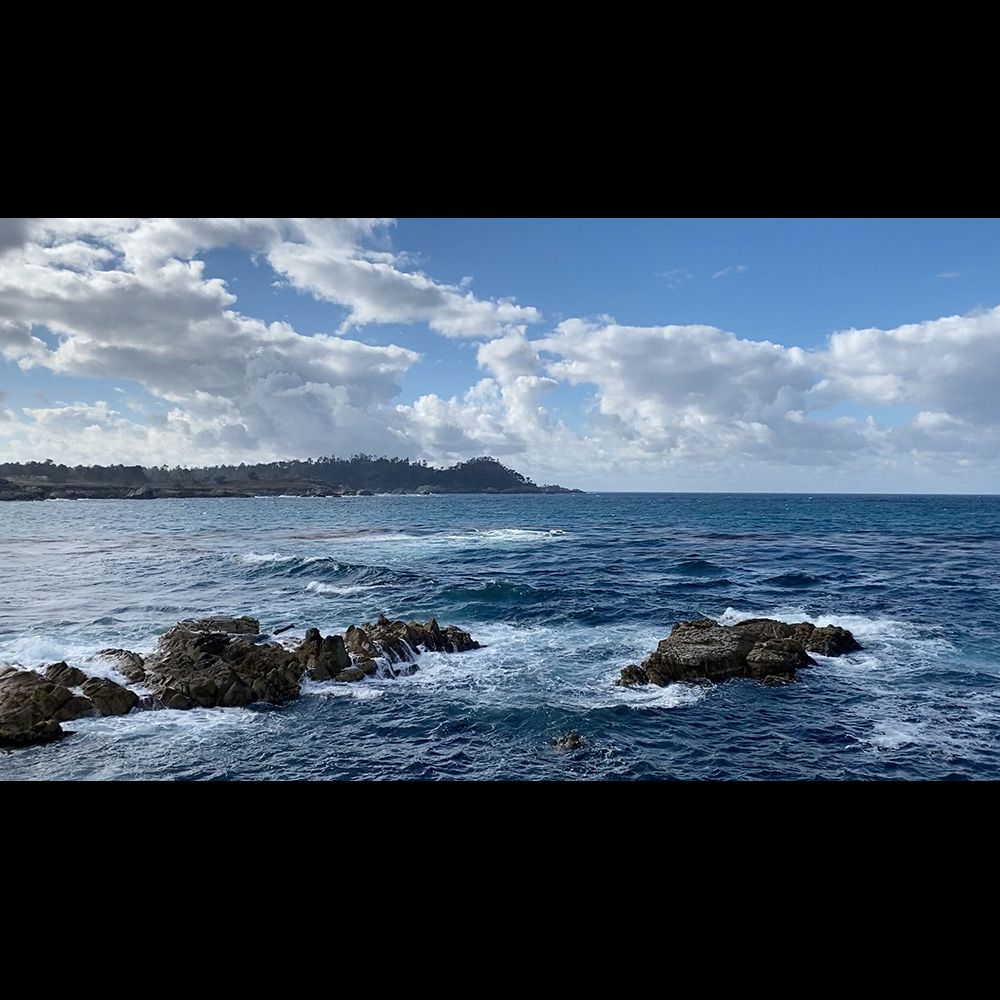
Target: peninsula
361 475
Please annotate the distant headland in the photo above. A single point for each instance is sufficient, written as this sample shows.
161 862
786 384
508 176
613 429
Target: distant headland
360 475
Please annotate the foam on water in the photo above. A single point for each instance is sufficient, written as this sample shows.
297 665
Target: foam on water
341 590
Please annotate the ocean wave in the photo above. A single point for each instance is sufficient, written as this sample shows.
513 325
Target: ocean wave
698 567
492 591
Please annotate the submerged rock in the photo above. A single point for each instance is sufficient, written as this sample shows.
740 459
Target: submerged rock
568 741
760 648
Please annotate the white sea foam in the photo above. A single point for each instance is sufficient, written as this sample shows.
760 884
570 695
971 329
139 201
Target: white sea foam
890 734
342 590
515 535
193 723
260 558
650 696
360 690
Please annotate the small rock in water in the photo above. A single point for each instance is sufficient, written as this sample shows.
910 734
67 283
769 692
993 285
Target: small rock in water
568 741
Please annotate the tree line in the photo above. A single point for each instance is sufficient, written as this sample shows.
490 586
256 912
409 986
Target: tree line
370 472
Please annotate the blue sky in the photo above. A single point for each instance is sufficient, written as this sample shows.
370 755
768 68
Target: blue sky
652 354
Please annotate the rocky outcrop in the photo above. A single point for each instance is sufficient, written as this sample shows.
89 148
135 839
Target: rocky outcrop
198 663
222 660
129 664
32 707
759 648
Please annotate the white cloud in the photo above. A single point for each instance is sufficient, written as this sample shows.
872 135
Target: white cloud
949 364
947 275
732 269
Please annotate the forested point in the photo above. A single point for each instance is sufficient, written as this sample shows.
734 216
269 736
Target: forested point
343 475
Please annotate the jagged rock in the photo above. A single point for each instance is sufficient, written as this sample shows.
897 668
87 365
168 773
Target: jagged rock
399 643
110 698
194 665
130 665
323 658
568 741
759 648
28 708
62 673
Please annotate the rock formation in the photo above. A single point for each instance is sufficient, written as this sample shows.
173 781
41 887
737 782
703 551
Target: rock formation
760 648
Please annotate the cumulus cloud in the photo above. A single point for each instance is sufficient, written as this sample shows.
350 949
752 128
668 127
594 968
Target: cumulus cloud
948 364
122 303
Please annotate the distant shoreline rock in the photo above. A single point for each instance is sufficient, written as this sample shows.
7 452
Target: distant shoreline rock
760 648
209 662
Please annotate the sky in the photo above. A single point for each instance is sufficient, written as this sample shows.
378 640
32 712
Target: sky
799 355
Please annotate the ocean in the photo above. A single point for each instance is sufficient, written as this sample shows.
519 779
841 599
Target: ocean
564 591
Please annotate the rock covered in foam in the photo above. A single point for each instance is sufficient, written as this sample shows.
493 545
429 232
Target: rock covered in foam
759 648
129 664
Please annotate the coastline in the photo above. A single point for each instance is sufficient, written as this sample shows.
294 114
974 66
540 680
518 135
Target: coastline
11 491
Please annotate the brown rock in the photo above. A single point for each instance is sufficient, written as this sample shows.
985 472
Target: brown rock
28 708
110 698
760 648
61 673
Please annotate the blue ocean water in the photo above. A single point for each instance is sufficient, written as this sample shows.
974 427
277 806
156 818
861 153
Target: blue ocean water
564 590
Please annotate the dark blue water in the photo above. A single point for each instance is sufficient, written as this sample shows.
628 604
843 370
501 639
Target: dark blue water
565 590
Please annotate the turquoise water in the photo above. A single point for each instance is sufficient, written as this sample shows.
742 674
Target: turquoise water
564 590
